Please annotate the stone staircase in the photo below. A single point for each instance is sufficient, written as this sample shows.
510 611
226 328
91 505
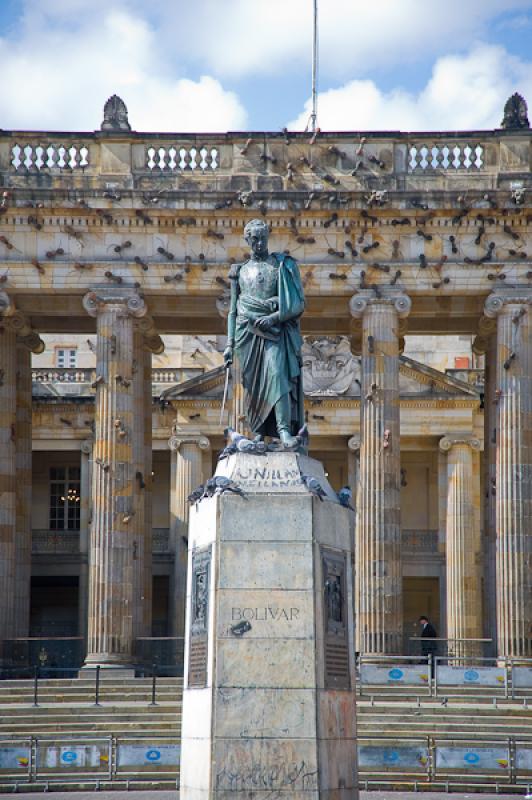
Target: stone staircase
67 706
66 713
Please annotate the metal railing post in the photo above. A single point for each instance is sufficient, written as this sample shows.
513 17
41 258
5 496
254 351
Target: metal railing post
436 661
153 684
36 685
97 686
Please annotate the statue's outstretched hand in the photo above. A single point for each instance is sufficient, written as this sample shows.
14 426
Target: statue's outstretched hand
228 356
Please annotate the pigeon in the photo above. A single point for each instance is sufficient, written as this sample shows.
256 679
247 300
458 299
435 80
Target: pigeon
314 486
233 436
220 484
229 450
196 495
254 446
345 495
303 436
244 445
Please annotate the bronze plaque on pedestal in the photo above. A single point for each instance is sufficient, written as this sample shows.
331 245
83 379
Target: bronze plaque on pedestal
335 634
199 618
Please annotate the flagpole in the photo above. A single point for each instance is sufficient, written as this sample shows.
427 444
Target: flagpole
314 114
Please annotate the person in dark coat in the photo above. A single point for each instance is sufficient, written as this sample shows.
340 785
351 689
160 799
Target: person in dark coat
428 632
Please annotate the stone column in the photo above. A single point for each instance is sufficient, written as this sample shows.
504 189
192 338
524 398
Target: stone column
112 537
463 548
16 340
8 493
186 475
23 492
513 397
378 532
486 344
85 514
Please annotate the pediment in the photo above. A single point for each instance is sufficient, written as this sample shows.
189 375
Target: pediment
331 370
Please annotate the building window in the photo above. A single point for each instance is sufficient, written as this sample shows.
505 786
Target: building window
64 498
65 357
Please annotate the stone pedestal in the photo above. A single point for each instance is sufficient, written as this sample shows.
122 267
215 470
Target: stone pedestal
269 703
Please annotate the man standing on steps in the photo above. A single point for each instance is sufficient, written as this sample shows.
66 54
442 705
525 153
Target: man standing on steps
428 646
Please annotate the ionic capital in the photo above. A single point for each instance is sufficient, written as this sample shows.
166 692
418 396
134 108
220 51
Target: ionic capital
448 442
15 321
366 299
175 441
125 301
496 302
354 443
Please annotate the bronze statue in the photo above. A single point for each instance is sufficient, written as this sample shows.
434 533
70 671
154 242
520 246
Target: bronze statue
263 330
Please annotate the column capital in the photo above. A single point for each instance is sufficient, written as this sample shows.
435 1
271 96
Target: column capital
448 442
366 299
15 321
129 301
354 443
176 440
86 446
497 300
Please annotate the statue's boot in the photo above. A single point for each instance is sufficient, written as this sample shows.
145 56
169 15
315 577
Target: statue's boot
282 417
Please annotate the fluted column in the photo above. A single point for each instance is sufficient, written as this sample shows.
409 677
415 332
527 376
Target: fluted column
16 340
85 515
486 344
186 475
513 397
142 493
8 493
23 492
463 547
112 537
379 615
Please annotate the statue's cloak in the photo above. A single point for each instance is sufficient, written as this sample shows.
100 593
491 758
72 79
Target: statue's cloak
270 360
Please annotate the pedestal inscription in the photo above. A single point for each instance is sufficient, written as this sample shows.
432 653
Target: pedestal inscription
198 647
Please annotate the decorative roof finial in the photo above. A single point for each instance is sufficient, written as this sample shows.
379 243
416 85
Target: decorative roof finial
515 113
115 115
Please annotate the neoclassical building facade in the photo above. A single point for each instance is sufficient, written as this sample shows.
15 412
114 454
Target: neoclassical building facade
414 253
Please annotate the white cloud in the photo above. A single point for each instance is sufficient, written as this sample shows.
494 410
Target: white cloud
239 37
465 92
58 73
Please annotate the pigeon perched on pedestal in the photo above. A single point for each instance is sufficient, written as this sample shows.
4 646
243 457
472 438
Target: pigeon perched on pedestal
314 486
345 495
242 444
220 484
196 495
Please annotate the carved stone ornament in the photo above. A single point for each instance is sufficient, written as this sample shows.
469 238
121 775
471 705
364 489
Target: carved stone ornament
175 441
447 442
115 115
362 301
329 367
515 113
495 302
132 303
86 446
354 443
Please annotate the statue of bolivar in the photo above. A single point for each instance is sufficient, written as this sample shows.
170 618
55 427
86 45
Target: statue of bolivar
263 331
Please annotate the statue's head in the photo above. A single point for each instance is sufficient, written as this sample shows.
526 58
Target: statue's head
256 235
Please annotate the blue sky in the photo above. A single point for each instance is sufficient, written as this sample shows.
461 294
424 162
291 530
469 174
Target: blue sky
216 65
